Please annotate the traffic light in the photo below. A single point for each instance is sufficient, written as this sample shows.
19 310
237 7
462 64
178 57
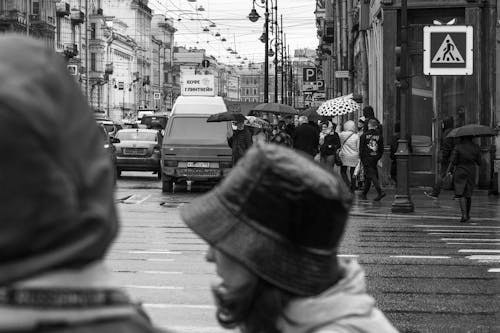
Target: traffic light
397 67
400 69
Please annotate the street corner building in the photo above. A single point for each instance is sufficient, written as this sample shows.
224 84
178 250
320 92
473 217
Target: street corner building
359 52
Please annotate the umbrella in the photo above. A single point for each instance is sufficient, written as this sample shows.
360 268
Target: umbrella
275 108
311 114
226 116
338 106
471 130
253 121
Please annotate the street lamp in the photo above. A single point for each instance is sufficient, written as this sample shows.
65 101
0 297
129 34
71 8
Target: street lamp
265 36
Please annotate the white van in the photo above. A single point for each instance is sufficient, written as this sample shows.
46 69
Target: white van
192 148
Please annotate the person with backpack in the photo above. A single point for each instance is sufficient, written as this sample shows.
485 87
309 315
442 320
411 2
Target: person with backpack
349 153
371 148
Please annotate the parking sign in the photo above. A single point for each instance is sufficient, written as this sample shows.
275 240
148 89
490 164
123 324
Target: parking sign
309 74
448 50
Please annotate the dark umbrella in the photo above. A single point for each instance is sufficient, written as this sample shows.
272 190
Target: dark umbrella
276 108
471 130
226 116
311 114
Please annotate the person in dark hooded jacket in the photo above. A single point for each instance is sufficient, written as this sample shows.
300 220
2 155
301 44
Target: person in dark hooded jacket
57 211
240 141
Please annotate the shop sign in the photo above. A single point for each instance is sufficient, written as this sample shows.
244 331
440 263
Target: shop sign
342 74
448 50
198 85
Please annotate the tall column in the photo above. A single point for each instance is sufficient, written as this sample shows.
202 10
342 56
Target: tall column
402 200
266 60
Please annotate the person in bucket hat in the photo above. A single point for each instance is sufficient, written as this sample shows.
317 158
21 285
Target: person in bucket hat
57 212
273 227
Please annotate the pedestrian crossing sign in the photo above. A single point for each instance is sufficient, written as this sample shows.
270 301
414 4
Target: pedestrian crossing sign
448 50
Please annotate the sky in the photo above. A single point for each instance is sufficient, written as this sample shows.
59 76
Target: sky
232 23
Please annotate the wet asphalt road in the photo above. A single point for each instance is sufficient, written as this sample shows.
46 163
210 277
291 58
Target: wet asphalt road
433 276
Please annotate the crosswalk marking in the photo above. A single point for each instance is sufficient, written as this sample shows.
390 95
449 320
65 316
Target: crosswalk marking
421 257
478 251
133 286
178 306
471 239
154 252
494 270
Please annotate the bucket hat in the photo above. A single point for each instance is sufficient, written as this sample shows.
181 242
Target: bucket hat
278 213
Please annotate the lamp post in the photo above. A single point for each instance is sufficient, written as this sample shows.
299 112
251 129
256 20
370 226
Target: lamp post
276 52
253 17
402 200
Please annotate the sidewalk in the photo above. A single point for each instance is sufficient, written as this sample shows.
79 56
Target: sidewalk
484 208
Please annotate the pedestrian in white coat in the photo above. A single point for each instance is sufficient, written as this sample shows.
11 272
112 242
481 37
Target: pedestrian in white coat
349 153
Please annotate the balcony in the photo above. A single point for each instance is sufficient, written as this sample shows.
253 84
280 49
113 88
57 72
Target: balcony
62 9
77 16
70 50
12 16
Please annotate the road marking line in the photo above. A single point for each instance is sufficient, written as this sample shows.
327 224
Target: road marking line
421 257
494 270
160 260
470 233
154 252
469 243
484 257
162 272
478 251
132 286
347 255
173 306
471 239
195 329
454 226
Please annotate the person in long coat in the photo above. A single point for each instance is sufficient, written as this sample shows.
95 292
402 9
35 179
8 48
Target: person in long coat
240 141
57 211
349 153
306 137
465 156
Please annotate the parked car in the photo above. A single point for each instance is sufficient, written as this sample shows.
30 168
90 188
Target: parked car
137 150
194 150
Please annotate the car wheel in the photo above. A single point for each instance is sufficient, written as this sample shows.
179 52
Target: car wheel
167 185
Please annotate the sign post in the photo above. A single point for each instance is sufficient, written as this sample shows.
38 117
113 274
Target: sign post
448 50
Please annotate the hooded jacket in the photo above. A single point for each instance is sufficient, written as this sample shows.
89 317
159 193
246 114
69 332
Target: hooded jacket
344 308
56 190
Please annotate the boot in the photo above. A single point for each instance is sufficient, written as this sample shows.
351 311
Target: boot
468 205
463 208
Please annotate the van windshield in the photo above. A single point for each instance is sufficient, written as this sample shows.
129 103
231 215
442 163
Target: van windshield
197 129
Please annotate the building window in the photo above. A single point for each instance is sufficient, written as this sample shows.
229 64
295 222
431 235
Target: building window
247 91
255 91
93 61
92 30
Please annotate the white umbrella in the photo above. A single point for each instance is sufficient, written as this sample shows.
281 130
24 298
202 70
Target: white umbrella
338 106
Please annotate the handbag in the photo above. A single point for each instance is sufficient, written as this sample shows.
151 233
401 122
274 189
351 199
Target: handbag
447 183
338 159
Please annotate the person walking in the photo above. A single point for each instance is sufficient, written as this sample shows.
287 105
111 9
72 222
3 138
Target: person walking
349 153
239 141
57 211
465 156
371 148
306 137
329 142
294 215
447 145
280 136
